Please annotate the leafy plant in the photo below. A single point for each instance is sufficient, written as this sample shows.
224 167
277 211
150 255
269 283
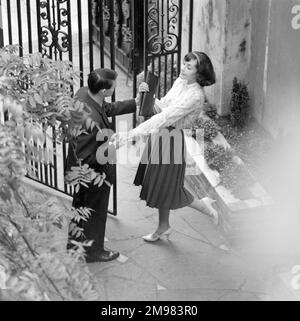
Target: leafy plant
217 157
251 143
209 127
239 104
84 175
36 94
210 110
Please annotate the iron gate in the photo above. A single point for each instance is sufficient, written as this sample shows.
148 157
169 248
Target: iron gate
140 34
162 41
61 30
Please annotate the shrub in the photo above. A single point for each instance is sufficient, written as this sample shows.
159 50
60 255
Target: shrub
210 110
209 127
239 104
217 157
36 93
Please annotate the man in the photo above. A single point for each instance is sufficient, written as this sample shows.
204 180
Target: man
101 84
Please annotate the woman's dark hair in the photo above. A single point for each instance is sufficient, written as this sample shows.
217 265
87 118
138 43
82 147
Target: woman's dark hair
96 83
206 75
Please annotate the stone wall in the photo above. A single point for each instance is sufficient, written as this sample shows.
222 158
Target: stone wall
208 36
237 49
218 32
255 41
275 68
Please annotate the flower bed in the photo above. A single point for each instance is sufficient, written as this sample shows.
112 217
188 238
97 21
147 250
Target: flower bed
241 208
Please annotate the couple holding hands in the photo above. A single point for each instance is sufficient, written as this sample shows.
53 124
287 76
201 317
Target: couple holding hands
161 181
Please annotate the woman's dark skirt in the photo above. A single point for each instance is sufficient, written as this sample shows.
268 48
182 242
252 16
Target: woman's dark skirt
161 172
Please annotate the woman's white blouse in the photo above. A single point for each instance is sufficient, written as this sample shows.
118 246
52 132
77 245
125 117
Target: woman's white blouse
179 108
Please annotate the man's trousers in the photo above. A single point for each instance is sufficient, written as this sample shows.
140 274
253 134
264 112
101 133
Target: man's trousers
96 199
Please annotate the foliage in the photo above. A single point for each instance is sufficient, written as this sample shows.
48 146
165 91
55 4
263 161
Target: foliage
217 157
208 126
210 110
251 143
84 175
36 95
239 104
234 176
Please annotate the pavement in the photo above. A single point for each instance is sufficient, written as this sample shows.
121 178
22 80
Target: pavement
197 263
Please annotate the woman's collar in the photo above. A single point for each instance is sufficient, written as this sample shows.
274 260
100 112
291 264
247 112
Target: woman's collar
185 82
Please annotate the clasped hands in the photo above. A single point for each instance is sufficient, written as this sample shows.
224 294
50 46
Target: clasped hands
121 139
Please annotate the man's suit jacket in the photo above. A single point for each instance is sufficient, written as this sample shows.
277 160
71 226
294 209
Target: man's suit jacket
85 147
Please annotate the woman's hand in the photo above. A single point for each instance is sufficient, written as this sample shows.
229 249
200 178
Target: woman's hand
144 87
119 140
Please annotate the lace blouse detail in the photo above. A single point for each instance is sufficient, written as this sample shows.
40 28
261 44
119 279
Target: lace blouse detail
179 108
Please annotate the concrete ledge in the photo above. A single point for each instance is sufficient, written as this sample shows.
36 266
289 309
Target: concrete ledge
66 199
237 216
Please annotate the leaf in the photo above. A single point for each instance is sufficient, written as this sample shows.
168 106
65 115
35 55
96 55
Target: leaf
77 105
45 87
108 183
84 184
38 99
100 136
12 282
93 125
97 180
77 188
101 182
88 122
32 102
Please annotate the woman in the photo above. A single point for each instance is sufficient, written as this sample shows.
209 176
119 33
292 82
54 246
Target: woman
162 177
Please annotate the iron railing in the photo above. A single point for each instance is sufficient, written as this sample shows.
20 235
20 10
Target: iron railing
147 32
60 30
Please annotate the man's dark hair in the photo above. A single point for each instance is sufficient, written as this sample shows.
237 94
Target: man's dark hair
101 79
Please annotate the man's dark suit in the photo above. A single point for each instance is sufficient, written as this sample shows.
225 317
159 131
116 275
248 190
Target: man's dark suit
95 198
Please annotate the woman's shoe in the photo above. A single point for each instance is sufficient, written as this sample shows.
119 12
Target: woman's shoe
210 210
157 236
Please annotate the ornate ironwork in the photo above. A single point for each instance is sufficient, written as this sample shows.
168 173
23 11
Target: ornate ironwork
126 31
55 27
122 21
163 26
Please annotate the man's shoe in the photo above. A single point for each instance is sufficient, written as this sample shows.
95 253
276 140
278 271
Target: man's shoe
105 256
